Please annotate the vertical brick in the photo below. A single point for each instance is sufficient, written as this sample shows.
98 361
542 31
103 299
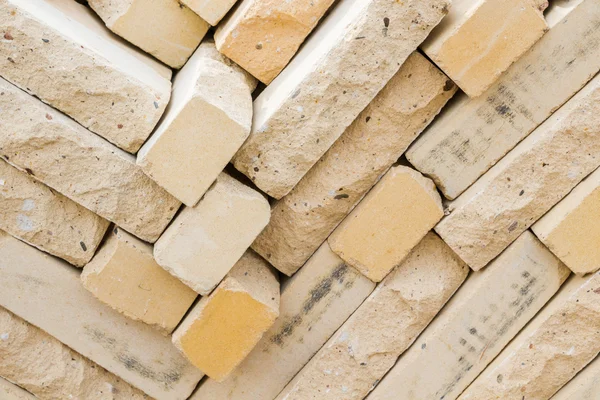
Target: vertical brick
584 386
124 275
329 82
224 327
392 218
303 219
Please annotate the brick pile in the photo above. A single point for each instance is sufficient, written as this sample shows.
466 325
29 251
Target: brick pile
296 200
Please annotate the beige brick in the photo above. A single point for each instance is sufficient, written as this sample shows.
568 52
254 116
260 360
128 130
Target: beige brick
124 275
392 218
211 10
80 165
10 391
303 219
486 313
48 294
329 82
210 114
554 346
263 35
315 302
526 183
584 386
480 39
50 370
390 319
204 242
162 28
58 51
572 228
224 327
473 134
34 213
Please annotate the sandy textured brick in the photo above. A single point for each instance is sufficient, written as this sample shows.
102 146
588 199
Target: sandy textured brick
48 293
204 242
486 313
162 28
303 219
36 214
392 218
211 11
479 39
526 183
124 275
572 228
263 35
367 345
329 82
561 340
473 134
50 370
315 302
10 391
584 386
207 121
224 327
58 51
80 165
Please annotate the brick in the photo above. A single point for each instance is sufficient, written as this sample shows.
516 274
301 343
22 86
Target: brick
50 370
315 302
34 213
331 80
211 11
390 319
48 294
224 327
124 275
60 53
204 242
9 391
571 229
526 183
263 35
584 386
480 39
487 312
560 341
210 114
164 29
82 166
303 219
392 218
473 134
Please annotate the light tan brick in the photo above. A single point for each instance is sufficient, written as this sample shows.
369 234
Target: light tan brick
554 346
314 303
584 386
124 275
34 213
162 28
329 82
224 327
50 370
473 134
571 229
204 242
392 218
48 293
81 165
210 114
479 39
390 319
10 391
486 313
58 51
262 35
211 11
526 183
303 219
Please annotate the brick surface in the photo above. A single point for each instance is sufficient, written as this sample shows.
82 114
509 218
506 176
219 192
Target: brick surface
211 11
584 386
10 391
